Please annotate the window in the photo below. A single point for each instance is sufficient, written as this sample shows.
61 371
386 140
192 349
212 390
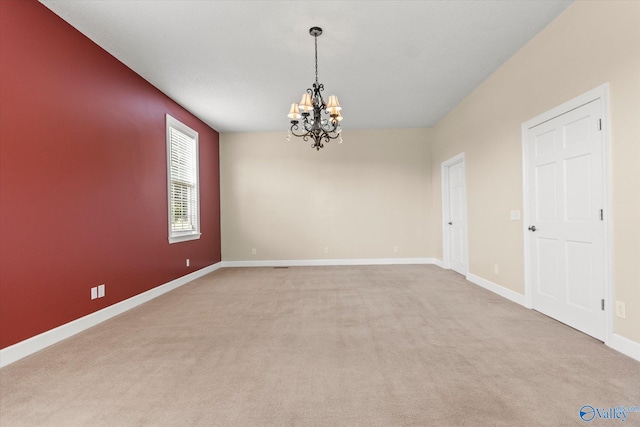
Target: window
182 182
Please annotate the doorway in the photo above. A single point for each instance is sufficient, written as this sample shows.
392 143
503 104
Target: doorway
454 215
565 192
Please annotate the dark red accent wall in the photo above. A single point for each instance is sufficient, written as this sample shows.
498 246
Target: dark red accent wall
83 192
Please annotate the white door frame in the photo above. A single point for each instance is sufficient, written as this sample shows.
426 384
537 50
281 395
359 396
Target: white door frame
446 234
600 92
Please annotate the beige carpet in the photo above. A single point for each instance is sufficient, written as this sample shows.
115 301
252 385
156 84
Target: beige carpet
322 346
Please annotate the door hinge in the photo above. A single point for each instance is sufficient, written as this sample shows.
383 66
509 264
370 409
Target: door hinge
601 215
602 304
599 124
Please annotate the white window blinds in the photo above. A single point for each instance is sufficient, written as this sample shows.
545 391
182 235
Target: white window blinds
182 154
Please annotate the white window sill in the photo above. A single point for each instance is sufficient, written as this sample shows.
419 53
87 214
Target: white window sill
184 237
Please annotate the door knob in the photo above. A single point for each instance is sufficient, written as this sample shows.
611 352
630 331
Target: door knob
450 223
532 228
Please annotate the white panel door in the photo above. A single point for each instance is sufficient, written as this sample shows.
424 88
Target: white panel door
457 218
565 185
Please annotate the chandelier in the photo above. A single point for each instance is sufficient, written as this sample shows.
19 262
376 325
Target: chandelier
320 119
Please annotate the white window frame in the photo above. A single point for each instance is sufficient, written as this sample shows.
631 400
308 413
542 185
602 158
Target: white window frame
176 236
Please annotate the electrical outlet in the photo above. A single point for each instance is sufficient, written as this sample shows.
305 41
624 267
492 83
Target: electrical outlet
101 291
395 249
253 251
187 262
496 270
326 249
94 292
620 310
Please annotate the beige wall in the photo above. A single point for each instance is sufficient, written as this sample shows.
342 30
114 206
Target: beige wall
591 43
359 198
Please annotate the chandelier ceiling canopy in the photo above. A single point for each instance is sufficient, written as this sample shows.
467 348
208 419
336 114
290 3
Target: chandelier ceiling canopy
320 120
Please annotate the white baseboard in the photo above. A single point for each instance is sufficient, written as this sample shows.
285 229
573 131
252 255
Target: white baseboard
436 261
497 289
330 262
617 342
625 346
31 345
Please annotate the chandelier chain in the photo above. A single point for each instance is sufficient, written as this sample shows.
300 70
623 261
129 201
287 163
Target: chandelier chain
316 43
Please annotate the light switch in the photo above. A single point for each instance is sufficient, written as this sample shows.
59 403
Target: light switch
515 215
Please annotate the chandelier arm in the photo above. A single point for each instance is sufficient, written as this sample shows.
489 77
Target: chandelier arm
329 136
326 137
294 128
304 136
308 126
331 126
305 122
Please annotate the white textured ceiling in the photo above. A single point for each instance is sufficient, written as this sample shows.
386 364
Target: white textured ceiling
238 65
